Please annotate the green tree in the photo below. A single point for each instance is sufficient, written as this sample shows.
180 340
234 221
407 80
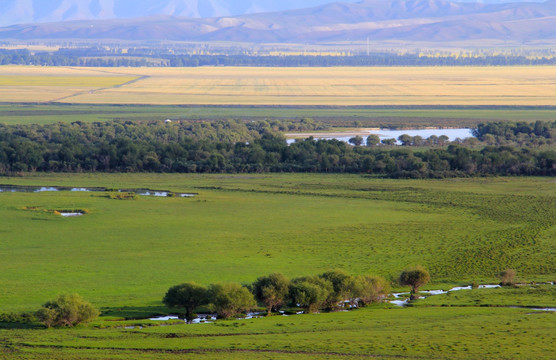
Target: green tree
373 140
443 140
389 142
414 277
356 140
188 296
310 293
342 286
229 299
271 290
67 310
370 289
405 139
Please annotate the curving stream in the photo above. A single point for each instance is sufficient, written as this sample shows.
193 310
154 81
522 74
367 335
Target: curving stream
400 299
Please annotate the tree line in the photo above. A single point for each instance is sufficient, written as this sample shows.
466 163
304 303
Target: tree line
240 147
332 290
103 57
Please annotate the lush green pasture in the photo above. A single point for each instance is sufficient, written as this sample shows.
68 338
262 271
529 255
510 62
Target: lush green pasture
535 296
414 333
127 253
124 254
339 116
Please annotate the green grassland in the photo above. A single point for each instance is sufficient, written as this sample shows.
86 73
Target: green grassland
240 227
124 254
532 295
336 116
414 333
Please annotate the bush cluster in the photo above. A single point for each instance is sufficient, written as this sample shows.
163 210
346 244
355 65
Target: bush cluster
332 290
66 310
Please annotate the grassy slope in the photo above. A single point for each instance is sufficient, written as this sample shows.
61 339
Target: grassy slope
241 227
125 254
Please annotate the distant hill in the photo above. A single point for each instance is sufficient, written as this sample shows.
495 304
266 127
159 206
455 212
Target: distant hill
28 11
411 20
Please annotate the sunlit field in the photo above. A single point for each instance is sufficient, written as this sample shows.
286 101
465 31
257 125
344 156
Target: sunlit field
240 227
350 86
123 255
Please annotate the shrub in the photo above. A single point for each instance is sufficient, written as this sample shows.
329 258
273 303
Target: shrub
507 277
370 289
228 299
21 318
66 310
122 196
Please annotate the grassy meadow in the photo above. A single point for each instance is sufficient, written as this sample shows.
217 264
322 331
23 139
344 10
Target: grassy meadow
124 254
127 253
413 333
349 86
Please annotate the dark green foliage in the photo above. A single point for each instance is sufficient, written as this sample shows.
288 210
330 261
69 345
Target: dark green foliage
233 146
66 310
414 277
517 133
272 291
188 296
311 293
373 140
356 140
229 299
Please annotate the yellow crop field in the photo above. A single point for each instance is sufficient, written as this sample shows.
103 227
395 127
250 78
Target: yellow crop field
48 84
284 86
63 81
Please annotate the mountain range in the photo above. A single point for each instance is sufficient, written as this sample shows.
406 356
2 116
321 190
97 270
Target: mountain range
378 20
33 11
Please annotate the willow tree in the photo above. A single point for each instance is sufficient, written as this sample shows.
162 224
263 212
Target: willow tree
414 277
188 296
272 291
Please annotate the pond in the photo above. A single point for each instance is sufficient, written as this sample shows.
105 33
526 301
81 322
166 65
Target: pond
452 134
71 214
39 189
